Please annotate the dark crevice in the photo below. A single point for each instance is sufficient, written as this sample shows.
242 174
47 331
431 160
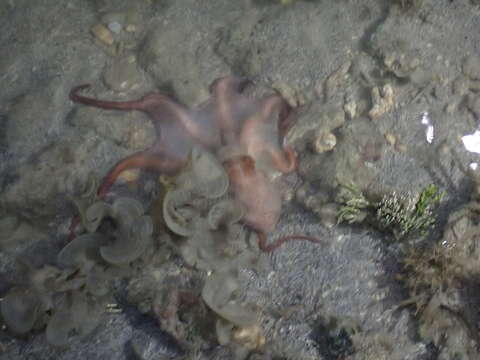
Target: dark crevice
364 42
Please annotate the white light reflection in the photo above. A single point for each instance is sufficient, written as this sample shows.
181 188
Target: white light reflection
425 118
429 133
472 142
429 127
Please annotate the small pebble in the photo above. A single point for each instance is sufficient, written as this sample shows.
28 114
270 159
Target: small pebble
382 100
102 33
350 109
250 337
131 28
115 27
324 141
391 139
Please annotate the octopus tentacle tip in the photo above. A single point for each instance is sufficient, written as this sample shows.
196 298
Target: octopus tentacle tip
73 95
292 159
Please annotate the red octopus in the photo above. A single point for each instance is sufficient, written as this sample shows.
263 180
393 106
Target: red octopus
246 130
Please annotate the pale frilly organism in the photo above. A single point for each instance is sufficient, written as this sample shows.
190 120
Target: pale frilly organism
75 293
200 209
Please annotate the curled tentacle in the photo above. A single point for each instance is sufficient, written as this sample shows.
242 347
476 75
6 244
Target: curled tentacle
141 160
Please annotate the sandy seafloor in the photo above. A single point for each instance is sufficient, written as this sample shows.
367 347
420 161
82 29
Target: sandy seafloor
366 71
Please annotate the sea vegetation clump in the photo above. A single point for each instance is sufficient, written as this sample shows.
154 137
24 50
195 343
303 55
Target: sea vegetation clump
406 215
70 298
200 210
402 216
441 276
441 279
